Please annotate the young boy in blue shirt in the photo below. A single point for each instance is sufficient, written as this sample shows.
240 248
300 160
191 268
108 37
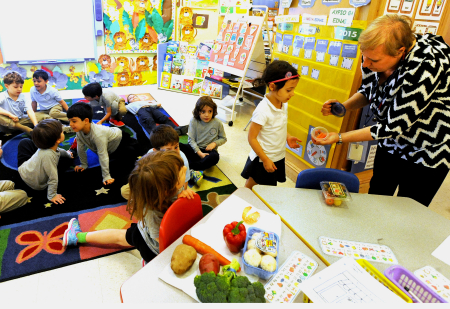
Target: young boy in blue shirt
49 99
113 105
107 142
16 113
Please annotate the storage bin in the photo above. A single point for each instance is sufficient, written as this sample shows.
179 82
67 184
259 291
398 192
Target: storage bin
225 115
380 277
251 270
402 277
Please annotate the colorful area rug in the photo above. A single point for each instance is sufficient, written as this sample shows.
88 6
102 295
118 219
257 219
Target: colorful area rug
30 236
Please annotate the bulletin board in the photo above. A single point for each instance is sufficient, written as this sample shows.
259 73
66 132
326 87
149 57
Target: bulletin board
327 59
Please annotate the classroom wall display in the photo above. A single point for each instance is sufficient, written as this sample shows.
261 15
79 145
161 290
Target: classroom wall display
183 68
400 7
211 4
137 26
330 2
200 20
430 9
422 27
327 59
358 3
306 3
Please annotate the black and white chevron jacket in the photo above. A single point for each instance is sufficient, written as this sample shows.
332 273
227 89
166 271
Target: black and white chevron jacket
413 105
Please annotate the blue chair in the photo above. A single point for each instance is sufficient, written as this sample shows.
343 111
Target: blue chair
311 178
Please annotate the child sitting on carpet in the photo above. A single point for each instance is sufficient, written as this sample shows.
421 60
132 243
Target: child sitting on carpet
206 134
40 161
113 104
148 114
108 143
16 113
155 183
49 99
164 137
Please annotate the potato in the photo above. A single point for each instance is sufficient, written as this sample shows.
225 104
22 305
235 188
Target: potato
182 259
208 263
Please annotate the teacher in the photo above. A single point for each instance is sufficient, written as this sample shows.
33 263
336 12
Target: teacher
406 81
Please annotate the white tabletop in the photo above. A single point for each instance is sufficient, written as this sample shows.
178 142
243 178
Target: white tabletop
409 229
146 287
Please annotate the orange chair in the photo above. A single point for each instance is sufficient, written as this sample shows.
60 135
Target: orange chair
180 217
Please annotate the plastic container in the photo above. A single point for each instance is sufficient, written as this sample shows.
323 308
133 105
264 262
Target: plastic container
380 277
335 193
402 277
225 115
338 109
318 133
251 270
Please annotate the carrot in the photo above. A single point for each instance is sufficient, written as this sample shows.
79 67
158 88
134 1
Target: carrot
203 248
321 135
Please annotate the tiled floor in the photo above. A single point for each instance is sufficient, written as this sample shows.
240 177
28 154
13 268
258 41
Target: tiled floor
99 280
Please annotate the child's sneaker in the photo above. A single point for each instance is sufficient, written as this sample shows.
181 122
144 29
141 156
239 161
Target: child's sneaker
116 123
196 176
70 235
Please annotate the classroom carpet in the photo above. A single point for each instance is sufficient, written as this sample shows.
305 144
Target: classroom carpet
30 236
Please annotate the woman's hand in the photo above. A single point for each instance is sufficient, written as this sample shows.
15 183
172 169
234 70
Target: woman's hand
332 137
269 166
292 142
211 146
326 107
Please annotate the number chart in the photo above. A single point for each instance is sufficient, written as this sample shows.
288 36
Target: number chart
327 58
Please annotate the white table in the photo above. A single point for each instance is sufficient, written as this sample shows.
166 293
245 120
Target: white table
146 287
411 230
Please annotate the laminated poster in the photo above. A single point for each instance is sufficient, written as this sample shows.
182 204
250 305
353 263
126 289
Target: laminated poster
400 7
317 155
430 9
335 48
287 42
321 45
310 42
349 50
306 3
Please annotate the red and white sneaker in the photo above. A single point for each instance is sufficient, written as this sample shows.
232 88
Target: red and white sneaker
116 123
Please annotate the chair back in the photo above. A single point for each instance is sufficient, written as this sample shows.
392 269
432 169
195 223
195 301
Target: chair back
311 178
180 217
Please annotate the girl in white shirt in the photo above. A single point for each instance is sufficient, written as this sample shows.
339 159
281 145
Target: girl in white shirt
268 131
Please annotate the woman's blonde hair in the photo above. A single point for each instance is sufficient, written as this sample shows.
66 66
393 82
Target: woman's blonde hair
153 182
392 30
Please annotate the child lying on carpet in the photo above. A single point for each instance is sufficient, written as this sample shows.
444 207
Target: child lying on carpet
113 104
40 161
107 142
163 138
155 183
148 113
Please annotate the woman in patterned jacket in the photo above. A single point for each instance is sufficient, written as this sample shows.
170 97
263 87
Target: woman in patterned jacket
406 81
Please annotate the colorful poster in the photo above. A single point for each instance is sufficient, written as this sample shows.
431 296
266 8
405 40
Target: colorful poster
405 7
422 27
136 27
316 155
430 9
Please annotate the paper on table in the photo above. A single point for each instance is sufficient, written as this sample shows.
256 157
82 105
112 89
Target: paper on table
231 210
443 251
346 282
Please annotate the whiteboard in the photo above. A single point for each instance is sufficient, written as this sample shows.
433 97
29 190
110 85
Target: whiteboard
47 30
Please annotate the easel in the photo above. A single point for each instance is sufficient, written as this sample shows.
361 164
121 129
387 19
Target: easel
256 62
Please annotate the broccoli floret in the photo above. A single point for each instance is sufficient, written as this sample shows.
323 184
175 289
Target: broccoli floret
242 291
211 288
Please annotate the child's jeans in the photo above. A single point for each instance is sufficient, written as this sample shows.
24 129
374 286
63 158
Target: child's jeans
195 162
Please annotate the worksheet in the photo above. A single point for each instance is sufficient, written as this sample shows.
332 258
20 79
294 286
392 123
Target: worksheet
347 282
435 280
357 250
